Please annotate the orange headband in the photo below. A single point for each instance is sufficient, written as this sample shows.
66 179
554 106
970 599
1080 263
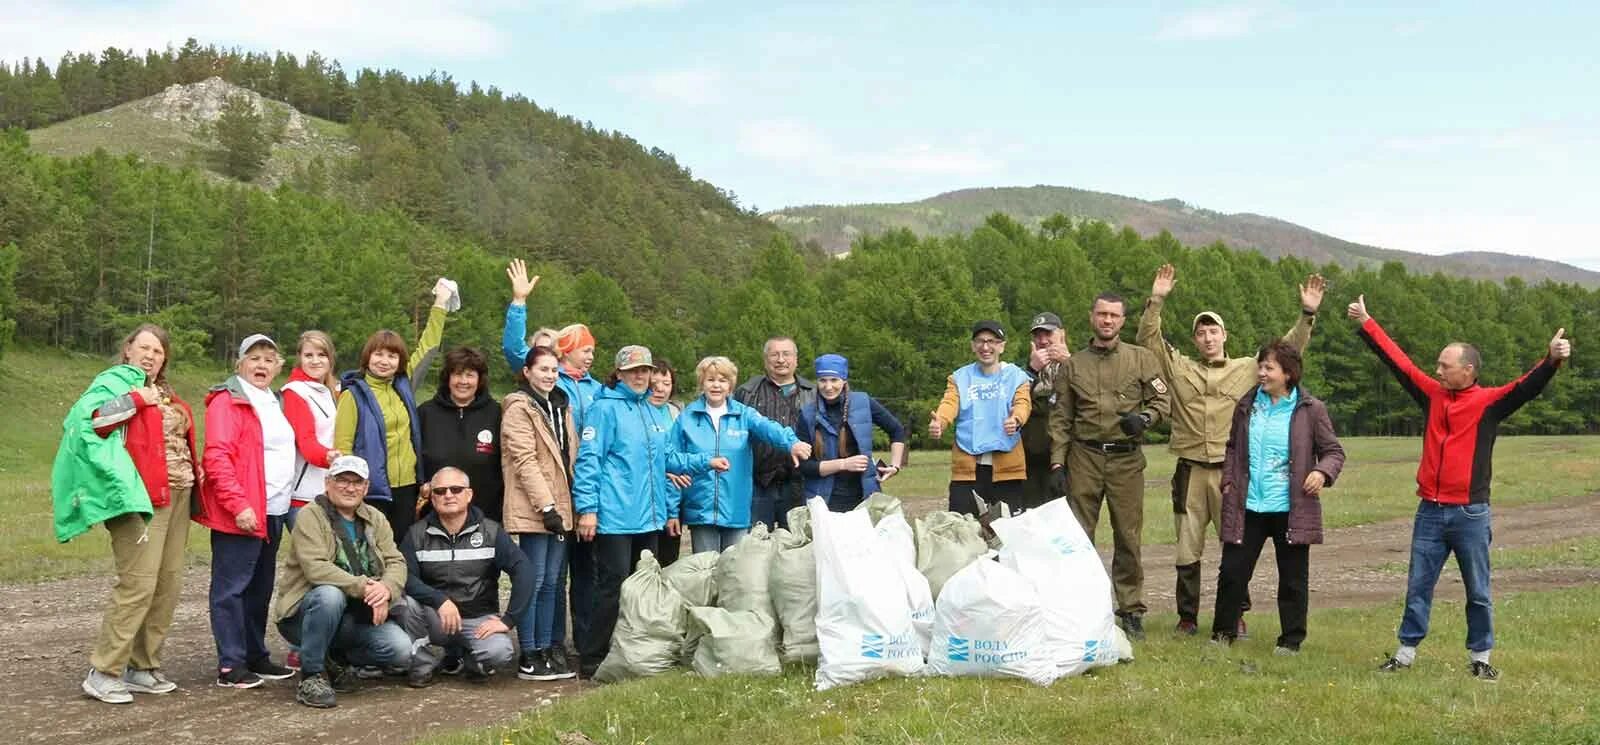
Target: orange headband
574 340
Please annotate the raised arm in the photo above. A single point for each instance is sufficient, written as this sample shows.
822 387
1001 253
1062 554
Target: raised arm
1515 394
1311 293
1149 335
1419 384
432 334
514 337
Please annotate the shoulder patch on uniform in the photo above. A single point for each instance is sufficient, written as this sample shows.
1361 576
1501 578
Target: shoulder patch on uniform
1161 387
588 433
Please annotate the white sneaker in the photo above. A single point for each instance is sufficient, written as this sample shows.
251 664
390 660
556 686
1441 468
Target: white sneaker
106 688
147 681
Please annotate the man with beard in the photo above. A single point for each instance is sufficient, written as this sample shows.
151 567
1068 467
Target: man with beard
1107 395
1204 395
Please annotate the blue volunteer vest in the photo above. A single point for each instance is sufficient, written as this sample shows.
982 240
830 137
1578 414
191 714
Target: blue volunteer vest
371 442
859 421
985 405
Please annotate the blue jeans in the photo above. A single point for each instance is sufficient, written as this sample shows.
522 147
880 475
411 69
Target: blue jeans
321 625
771 504
705 538
242 570
1441 529
539 627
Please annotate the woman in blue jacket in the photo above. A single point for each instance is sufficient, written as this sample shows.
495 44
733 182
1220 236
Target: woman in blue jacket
717 505
620 489
839 426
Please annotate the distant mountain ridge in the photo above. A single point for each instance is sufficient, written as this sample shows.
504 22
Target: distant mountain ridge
835 227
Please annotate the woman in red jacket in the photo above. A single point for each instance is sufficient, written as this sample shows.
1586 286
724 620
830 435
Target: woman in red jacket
309 403
249 465
159 434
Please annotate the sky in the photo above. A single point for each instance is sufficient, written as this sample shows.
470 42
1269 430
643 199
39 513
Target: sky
1475 128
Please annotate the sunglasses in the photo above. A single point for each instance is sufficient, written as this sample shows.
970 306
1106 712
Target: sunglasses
439 491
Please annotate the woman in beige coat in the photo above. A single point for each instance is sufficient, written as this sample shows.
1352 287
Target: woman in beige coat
538 444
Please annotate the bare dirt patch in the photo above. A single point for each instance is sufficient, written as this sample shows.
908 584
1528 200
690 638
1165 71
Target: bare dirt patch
51 626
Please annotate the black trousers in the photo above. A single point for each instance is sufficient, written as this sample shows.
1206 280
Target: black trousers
1239 563
669 549
615 556
401 510
580 593
1010 492
1036 490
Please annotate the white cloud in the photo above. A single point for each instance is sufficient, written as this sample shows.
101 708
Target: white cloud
1225 22
616 6
799 145
691 86
362 29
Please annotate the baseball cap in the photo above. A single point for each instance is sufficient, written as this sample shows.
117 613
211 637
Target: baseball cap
1206 315
348 464
1047 321
992 327
633 356
254 339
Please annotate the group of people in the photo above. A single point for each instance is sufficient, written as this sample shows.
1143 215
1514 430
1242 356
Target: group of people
402 517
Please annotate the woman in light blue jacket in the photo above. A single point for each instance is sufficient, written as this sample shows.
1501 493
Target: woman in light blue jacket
716 505
620 490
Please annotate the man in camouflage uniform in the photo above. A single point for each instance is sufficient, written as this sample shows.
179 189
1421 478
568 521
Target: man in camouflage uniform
1204 393
1107 395
1046 355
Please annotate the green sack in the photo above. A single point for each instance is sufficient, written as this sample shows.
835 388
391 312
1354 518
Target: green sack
946 543
879 505
734 642
695 577
742 573
650 626
793 585
800 521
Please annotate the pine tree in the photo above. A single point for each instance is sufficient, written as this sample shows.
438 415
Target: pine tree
243 138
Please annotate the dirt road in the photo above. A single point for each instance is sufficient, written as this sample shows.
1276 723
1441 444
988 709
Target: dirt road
49 628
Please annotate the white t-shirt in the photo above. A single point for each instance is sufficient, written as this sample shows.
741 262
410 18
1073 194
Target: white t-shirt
278 437
717 412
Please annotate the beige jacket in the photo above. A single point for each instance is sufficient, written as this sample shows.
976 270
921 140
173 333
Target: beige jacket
311 558
531 463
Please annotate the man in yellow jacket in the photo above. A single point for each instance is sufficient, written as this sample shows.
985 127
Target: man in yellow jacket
988 401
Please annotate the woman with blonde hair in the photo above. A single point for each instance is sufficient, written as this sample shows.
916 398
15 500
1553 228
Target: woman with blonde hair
309 405
716 504
128 460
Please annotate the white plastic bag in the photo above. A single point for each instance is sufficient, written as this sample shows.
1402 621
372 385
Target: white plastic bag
864 624
897 541
990 622
1049 549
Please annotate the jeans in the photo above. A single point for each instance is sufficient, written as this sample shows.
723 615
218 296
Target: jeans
538 627
615 555
1294 577
422 623
1439 530
714 537
771 504
325 623
242 570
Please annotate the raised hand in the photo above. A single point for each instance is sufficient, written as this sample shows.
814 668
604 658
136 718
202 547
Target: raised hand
1166 277
441 292
521 284
1311 292
1358 309
1560 345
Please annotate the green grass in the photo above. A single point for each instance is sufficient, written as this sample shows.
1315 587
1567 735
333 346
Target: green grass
1583 553
40 385
1378 483
1179 690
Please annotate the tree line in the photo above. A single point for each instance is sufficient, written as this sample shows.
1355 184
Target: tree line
95 244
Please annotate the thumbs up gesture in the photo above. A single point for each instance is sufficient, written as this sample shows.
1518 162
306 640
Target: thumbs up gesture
1358 309
1560 345
935 427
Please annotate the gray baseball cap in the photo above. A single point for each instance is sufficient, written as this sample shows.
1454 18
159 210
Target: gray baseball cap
348 464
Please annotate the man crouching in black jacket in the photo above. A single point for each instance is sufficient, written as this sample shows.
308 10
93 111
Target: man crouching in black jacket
454 558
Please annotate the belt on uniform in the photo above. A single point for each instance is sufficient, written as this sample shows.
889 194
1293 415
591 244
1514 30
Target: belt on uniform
1200 463
1109 448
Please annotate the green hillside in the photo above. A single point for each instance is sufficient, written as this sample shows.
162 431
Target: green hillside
835 228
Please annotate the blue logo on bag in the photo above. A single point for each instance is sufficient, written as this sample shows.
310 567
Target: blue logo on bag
1091 650
960 649
872 646
1063 545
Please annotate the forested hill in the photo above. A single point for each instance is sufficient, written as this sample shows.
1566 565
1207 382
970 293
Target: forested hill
834 228
473 161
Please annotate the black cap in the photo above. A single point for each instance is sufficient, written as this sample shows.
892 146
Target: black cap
992 327
1047 321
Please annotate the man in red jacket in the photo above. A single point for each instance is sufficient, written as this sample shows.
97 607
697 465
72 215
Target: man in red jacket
1453 479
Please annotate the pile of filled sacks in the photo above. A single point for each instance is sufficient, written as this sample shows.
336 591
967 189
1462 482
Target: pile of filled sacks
864 594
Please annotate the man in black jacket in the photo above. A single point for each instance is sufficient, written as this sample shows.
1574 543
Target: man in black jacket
454 559
779 395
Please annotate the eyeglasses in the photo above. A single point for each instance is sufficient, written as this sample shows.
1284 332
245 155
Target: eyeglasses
781 355
349 483
988 342
439 491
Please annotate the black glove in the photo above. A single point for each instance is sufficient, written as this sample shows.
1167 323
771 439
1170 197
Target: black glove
552 520
1133 423
1058 482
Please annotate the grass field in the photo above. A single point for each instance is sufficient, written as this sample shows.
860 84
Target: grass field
1177 691
38 386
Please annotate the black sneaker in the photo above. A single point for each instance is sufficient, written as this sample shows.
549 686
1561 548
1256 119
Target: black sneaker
473 670
339 675
237 678
559 666
316 692
1222 639
1186 627
1133 625
1393 665
451 665
1485 672
533 665
268 670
